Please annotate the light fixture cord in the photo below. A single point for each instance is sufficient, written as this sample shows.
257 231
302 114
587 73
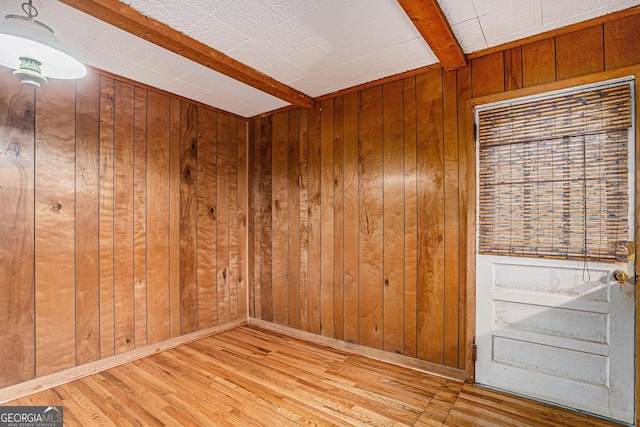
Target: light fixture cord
29 9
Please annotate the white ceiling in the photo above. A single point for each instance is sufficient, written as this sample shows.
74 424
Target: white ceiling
315 46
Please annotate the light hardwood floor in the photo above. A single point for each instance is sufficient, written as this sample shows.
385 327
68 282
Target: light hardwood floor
248 376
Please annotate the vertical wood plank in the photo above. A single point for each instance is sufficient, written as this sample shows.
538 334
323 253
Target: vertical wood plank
17 228
174 216
580 53
488 74
464 93
539 62
351 216
338 184
327 220
621 42
233 219
266 294
87 169
371 217
123 212
158 217
469 190
304 219
451 220
55 348
222 241
393 211
140 216
257 224
430 318
313 195
188 177
513 68
253 194
410 216
279 218
105 217
293 218
243 215
206 218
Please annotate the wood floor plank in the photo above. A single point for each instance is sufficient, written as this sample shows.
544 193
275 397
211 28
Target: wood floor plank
517 409
88 413
52 398
114 410
369 392
437 410
259 384
238 402
251 377
145 413
279 376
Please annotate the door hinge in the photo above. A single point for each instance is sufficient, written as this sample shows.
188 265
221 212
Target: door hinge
474 353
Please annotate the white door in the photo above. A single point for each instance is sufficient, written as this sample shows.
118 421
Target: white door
543 332
550 326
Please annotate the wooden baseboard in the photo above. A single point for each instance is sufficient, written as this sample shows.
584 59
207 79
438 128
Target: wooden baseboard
52 380
385 356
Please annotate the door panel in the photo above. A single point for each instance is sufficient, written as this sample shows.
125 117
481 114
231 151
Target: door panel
557 330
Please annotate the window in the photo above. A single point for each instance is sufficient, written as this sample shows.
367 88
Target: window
553 176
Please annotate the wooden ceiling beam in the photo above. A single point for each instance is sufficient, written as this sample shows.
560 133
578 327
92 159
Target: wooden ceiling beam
428 18
128 19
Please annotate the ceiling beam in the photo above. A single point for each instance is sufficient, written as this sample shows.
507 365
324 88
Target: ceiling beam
428 18
128 19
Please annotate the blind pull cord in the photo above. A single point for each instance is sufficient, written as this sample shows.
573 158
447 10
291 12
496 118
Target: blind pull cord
586 274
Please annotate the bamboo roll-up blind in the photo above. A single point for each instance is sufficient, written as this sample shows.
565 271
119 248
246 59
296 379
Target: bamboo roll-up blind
554 177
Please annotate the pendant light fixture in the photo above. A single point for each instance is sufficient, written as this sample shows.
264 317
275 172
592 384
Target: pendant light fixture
31 49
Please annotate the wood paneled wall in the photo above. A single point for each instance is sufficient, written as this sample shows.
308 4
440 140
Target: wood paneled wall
355 208
124 210
122 217
358 207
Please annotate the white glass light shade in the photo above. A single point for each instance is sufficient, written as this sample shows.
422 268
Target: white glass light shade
22 37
